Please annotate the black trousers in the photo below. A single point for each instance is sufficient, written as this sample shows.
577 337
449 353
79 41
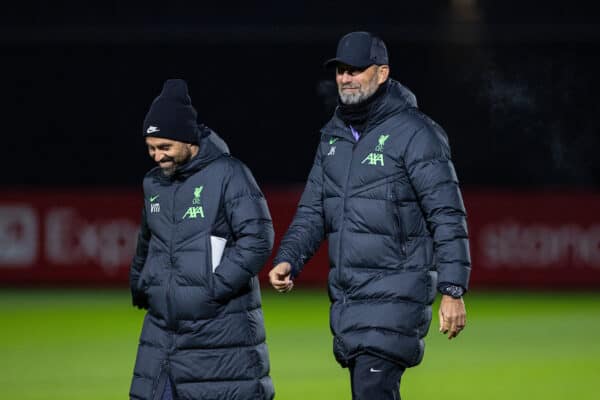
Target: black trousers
373 378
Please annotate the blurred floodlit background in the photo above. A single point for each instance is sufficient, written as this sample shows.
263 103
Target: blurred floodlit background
514 84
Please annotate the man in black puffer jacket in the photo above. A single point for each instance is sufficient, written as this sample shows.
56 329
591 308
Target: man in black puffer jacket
384 193
206 232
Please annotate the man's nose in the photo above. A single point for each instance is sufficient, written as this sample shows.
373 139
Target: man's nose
157 156
346 77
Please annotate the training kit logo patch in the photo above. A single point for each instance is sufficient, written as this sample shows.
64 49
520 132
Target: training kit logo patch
382 139
332 148
376 157
154 207
152 129
196 209
197 193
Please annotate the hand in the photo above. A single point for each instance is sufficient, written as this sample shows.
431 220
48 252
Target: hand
453 316
279 277
140 300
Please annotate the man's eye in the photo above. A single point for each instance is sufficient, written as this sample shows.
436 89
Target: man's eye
350 70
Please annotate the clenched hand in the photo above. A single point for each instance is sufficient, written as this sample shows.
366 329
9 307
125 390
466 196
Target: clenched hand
280 278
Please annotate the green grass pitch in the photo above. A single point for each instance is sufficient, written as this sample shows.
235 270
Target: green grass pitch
81 344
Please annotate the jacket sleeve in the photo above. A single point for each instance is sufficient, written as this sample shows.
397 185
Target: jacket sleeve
307 230
435 182
138 296
248 216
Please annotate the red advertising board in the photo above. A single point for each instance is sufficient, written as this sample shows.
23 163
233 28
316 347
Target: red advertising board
518 239
535 239
67 236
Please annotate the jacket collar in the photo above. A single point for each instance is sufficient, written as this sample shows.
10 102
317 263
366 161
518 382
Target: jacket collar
396 99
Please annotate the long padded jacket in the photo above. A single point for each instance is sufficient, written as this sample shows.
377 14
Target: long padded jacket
204 330
390 207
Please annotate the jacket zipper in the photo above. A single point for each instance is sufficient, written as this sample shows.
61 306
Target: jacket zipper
343 210
163 375
402 238
171 320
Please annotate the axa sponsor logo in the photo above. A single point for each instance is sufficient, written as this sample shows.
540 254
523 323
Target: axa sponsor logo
376 157
373 159
196 210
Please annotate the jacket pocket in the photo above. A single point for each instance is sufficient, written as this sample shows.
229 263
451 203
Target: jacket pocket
217 247
206 269
213 285
395 206
402 236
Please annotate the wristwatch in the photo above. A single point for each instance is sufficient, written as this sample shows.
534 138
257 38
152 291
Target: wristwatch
454 291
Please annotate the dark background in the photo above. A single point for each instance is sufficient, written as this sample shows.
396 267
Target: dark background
515 84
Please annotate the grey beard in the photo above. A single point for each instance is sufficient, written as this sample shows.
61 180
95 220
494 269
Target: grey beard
171 170
359 97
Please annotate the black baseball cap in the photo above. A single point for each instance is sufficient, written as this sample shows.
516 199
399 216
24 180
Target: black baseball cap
360 50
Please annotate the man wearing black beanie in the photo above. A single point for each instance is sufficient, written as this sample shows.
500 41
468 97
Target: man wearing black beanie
172 116
205 234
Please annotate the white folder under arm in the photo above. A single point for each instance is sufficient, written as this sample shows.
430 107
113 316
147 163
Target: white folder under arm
217 245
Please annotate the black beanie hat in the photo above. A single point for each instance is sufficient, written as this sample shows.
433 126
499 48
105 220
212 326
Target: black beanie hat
171 115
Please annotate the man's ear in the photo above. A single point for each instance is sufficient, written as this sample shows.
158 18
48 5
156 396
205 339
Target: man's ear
193 148
382 73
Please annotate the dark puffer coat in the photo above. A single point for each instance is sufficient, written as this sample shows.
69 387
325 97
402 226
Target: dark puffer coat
204 330
392 212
